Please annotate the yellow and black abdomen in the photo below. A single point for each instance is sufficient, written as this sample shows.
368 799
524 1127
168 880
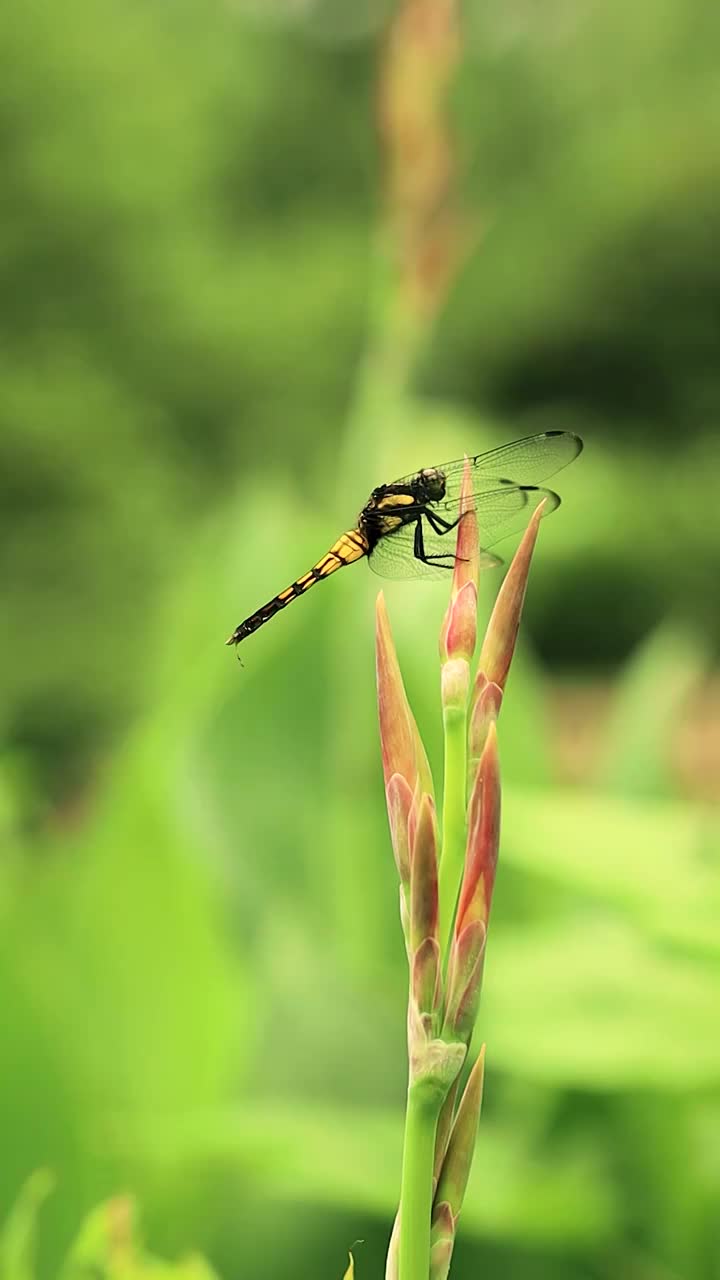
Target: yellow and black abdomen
350 546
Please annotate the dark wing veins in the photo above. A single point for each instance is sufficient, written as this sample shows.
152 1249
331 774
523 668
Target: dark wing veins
522 463
403 552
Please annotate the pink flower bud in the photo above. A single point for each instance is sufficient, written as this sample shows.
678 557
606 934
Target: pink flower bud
464 981
458 635
499 643
486 703
402 748
425 977
423 876
483 838
459 631
399 800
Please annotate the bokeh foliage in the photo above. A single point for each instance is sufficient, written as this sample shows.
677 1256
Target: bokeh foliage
200 962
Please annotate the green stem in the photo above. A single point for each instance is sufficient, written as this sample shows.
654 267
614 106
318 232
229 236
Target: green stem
416 1197
454 818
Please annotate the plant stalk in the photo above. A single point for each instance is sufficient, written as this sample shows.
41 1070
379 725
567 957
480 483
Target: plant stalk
416 1196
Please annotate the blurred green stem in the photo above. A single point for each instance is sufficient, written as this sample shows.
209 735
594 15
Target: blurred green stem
423 1110
453 837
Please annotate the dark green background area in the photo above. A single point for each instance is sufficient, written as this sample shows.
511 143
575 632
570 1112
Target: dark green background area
201 971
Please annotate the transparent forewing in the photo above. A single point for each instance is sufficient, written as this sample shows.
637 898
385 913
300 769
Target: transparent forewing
523 462
500 513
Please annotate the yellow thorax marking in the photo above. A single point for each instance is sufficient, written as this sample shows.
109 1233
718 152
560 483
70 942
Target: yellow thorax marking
389 523
396 500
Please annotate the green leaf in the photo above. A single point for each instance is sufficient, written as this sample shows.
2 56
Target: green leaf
332 1154
17 1239
658 863
648 702
590 1003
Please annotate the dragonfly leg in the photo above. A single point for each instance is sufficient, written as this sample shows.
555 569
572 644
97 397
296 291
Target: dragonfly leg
420 554
438 524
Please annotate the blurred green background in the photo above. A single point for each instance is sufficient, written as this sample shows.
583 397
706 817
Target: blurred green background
201 969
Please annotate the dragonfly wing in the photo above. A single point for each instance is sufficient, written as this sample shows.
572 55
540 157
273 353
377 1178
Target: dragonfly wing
394 556
500 513
523 462
508 510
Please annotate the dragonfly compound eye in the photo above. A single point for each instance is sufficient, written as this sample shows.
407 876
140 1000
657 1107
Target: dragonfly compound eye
434 484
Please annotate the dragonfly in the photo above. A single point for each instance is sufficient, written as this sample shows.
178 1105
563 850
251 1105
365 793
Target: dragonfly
405 528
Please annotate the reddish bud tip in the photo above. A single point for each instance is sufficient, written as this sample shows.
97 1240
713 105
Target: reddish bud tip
458 635
402 748
499 643
468 543
396 724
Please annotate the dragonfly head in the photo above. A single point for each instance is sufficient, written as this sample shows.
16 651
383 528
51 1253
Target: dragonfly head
433 484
